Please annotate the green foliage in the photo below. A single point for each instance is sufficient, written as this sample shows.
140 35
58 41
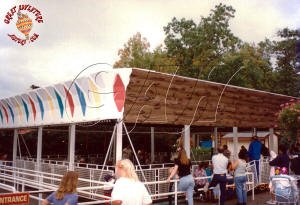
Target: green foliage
197 48
289 120
284 51
209 50
200 154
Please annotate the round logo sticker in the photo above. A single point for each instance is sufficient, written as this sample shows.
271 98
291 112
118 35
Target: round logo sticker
24 18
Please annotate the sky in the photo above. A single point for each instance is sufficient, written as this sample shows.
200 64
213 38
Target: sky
77 33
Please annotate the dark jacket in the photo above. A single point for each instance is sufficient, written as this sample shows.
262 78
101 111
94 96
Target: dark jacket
282 160
295 165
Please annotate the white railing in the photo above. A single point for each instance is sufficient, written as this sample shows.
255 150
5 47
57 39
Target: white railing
90 185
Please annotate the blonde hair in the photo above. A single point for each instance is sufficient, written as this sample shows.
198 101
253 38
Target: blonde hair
68 185
128 169
183 157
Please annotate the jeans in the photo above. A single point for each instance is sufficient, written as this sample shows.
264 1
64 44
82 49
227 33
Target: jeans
284 195
240 185
187 184
220 179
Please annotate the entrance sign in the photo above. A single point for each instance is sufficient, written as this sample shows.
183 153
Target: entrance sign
14 199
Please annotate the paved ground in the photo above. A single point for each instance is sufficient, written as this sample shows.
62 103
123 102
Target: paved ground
260 198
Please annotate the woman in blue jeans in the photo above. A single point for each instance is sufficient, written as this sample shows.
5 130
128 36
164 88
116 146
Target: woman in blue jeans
186 180
240 178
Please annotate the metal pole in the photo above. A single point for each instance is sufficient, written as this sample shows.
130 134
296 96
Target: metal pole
186 141
39 157
235 142
215 139
15 146
119 141
71 153
39 148
152 144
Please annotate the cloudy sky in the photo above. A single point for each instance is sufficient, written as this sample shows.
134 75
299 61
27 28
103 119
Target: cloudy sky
78 33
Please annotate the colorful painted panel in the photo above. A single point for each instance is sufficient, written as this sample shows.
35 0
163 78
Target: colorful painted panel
95 97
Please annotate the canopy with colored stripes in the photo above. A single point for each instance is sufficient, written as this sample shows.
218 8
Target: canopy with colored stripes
95 97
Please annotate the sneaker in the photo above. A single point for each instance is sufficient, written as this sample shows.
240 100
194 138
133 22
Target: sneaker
271 201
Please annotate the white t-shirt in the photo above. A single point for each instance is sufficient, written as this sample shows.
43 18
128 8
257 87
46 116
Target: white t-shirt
220 163
130 192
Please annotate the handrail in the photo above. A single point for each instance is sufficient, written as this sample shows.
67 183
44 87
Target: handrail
8 188
90 186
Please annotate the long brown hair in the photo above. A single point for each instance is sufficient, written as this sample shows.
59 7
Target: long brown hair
183 157
68 185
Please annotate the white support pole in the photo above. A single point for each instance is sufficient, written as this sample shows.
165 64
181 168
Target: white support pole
254 132
273 141
71 150
152 145
39 147
15 150
235 142
15 147
39 156
119 141
186 141
216 139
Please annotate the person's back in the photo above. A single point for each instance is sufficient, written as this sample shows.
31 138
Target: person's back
128 190
66 193
255 150
241 168
282 160
220 163
139 194
70 199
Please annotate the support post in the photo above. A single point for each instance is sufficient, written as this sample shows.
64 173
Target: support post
119 140
254 132
215 139
273 141
39 157
71 150
15 147
235 142
186 141
194 140
152 145
39 147
15 150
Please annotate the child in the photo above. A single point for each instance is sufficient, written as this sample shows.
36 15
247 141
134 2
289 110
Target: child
66 192
200 183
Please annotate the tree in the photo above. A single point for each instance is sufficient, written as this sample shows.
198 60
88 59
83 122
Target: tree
283 54
136 53
247 68
197 48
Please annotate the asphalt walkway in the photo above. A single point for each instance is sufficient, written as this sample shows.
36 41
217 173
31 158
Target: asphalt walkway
259 199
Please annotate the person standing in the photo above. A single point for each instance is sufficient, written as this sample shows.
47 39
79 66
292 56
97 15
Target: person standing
186 180
128 190
254 152
282 160
240 178
220 163
66 193
226 151
200 172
